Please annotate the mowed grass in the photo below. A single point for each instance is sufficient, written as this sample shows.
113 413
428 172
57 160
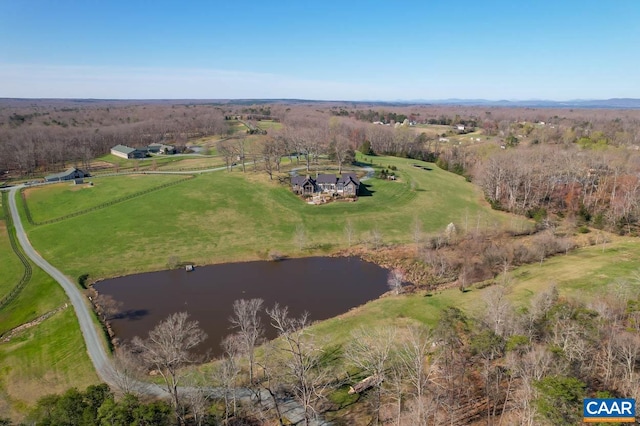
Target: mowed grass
11 269
585 275
190 163
54 201
269 125
223 216
41 295
47 358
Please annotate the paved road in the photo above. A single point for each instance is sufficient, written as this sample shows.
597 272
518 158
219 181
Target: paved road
95 344
93 336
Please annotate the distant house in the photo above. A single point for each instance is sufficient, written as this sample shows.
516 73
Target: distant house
161 148
461 127
69 174
127 152
346 185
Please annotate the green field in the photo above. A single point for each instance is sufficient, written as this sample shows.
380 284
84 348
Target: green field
9 263
584 275
53 201
269 125
222 216
45 358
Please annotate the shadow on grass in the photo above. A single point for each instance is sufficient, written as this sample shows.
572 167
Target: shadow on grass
362 164
365 190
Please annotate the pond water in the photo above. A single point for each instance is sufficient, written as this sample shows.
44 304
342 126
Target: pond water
323 286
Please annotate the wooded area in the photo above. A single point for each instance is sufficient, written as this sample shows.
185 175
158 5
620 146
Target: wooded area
580 164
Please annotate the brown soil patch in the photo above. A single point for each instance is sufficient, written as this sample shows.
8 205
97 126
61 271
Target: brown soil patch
100 165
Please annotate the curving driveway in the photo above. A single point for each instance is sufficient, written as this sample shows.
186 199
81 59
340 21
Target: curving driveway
94 339
95 344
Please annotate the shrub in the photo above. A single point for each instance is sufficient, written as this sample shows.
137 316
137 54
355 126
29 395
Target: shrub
82 280
584 229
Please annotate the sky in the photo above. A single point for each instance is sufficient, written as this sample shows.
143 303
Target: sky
324 50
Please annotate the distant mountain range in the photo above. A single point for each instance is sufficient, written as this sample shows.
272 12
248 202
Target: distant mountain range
614 103
620 103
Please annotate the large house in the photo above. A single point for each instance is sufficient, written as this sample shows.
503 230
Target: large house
346 185
69 174
128 152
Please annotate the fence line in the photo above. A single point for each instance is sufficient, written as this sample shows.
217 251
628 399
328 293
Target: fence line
28 271
99 206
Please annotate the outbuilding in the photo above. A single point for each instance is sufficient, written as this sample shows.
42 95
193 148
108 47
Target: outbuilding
127 152
69 174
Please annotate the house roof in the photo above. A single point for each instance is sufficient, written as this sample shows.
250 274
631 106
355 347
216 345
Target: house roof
60 175
326 178
346 177
123 149
301 180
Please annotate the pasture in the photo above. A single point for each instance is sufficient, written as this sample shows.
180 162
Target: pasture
584 274
45 357
60 199
9 263
231 216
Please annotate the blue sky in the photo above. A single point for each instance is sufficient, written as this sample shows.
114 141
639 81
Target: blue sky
339 50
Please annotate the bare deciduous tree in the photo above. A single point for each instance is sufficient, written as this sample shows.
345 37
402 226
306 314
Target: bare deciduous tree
302 367
107 306
369 351
226 374
498 312
246 320
128 372
300 237
168 348
416 230
349 232
395 280
414 354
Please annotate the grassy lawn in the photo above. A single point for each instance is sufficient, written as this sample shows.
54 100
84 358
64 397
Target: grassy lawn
47 358
584 274
222 216
190 163
53 201
269 125
10 265
42 294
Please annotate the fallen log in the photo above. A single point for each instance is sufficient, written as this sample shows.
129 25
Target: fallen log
365 384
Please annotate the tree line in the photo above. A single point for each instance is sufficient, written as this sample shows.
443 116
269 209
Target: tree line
529 365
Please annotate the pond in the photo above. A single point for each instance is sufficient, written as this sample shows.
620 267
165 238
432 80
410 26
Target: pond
323 286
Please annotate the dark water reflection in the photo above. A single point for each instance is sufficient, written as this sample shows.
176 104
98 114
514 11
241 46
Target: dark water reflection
325 287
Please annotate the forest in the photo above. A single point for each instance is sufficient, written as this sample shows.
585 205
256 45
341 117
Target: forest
581 165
